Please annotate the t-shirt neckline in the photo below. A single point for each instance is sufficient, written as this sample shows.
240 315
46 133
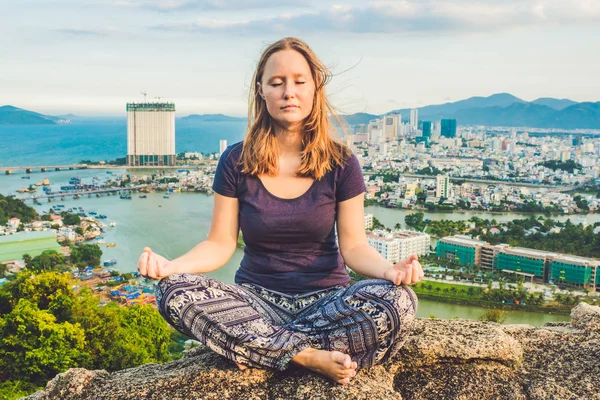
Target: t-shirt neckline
260 182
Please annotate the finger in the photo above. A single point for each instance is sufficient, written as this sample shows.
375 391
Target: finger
408 275
147 249
416 271
152 266
421 273
398 278
413 257
143 264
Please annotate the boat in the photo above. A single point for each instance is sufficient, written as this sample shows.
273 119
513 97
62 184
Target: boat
142 196
109 172
92 213
165 197
25 177
101 216
112 224
125 196
111 244
160 205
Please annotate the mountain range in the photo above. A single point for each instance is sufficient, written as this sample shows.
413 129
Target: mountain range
10 115
501 109
504 109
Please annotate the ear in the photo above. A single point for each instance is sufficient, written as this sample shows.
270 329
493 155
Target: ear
259 90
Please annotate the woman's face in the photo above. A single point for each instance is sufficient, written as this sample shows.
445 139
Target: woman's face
288 88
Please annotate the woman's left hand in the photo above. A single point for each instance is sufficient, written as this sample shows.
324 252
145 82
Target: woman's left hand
405 272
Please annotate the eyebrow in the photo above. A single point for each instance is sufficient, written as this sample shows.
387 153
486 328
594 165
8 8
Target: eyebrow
283 77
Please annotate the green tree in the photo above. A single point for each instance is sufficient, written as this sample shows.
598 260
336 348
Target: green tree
70 219
47 261
35 347
85 255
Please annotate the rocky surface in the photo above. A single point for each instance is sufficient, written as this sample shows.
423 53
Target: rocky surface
443 359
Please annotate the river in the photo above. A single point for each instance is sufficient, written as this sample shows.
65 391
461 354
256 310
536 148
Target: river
173 226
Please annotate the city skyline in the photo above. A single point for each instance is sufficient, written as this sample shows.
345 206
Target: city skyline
94 58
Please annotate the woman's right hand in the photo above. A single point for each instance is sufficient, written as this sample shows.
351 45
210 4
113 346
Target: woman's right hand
154 266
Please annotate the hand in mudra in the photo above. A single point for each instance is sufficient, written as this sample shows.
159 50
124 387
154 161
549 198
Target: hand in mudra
154 266
405 272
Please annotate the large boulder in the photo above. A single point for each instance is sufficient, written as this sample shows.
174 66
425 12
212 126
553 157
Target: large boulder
443 359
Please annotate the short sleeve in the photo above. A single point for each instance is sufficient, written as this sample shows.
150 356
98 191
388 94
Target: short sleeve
226 175
350 182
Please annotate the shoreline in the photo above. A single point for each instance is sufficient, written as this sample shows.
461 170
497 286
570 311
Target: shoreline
493 305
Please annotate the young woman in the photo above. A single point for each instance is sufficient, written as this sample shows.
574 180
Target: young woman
288 186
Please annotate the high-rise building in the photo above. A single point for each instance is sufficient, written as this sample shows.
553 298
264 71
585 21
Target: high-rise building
414 118
390 126
222 146
150 134
443 186
427 129
448 128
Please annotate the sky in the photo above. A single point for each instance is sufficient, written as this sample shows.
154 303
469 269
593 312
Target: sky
91 57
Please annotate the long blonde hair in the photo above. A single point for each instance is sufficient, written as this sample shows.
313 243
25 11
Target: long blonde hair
320 151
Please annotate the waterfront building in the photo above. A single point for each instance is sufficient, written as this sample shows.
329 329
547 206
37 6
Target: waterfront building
577 271
396 246
461 249
443 186
368 221
448 128
528 261
150 134
222 146
12 247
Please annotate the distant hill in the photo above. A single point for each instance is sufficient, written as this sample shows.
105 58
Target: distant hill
504 109
437 112
211 118
358 118
10 115
557 104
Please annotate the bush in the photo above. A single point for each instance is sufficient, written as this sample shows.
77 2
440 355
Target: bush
492 315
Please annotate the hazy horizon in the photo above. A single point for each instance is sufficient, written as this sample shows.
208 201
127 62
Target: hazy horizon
91 58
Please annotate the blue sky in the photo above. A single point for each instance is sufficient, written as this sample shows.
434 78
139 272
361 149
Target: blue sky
90 57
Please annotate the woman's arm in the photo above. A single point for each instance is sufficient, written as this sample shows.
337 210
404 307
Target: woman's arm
361 257
207 256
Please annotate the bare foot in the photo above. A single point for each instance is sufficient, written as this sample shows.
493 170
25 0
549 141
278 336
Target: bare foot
241 366
332 364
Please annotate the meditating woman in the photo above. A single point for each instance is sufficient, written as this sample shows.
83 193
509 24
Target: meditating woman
289 185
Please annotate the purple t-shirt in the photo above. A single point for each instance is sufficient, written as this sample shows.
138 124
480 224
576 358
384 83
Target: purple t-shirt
290 243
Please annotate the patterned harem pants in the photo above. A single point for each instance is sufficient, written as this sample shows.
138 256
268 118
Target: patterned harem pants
369 320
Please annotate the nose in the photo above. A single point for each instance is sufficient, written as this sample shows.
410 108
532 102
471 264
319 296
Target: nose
288 93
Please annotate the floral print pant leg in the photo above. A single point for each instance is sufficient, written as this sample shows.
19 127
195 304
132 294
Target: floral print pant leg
249 324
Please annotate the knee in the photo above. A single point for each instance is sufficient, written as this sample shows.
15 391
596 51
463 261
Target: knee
404 301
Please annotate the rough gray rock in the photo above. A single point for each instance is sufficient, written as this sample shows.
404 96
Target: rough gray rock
456 359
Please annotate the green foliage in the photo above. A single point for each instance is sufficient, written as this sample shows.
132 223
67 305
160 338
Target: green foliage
572 239
45 328
35 347
568 165
415 221
377 224
493 315
85 255
70 219
47 261
15 208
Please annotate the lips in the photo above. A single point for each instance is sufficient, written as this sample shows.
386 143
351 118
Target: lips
289 107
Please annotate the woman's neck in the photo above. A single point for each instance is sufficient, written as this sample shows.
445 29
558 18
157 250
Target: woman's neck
289 140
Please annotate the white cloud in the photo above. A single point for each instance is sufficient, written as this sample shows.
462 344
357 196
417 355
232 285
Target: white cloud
388 16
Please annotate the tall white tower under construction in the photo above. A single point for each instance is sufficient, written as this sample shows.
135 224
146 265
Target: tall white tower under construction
150 134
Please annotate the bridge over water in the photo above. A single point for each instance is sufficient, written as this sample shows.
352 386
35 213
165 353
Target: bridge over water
43 168
62 195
